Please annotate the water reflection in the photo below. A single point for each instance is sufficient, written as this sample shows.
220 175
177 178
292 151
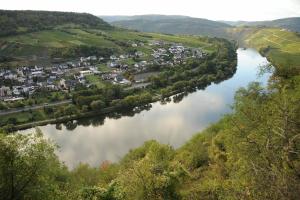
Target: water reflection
96 139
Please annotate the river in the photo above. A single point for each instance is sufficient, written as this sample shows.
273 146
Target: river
101 139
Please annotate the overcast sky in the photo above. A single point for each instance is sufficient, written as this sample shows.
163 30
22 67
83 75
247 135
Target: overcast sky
249 10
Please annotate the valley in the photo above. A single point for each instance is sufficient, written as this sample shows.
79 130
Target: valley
153 107
96 70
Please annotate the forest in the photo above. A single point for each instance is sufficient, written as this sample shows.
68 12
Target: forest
12 22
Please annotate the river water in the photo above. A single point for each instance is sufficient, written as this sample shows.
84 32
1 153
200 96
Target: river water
98 139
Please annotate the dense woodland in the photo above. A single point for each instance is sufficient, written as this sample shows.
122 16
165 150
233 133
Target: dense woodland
12 22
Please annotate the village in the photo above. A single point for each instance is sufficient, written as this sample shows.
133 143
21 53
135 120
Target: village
21 82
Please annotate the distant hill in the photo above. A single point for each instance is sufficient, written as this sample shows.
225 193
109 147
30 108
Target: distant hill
16 22
114 18
174 25
292 24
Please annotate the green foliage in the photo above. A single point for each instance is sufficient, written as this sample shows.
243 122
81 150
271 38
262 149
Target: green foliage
251 154
15 22
169 25
97 105
29 169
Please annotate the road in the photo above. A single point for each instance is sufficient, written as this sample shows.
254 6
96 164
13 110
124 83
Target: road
35 107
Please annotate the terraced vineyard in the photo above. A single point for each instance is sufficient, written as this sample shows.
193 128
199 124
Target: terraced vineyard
282 47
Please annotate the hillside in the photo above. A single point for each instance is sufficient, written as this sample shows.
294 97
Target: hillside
271 38
99 69
175 25
292 24
17 22
43 47
114 18
281 47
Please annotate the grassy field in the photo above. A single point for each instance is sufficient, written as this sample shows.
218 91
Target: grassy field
95 80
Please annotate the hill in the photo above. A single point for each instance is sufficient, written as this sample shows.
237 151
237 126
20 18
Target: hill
281 47
17 22
175 25
292 24
114 18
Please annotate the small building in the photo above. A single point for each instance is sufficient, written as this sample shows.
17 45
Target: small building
85 73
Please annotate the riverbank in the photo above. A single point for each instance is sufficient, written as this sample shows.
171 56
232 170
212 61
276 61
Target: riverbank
94 101
68 118
169 122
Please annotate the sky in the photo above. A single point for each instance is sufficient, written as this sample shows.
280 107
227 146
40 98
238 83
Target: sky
246 10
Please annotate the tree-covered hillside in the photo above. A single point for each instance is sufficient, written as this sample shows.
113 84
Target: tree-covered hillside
115 18
175 25
16 22
292 24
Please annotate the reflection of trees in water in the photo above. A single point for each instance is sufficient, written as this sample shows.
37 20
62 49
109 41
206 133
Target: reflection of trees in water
58 126
71 125
99 120
94 121
266 68
165 101
179 97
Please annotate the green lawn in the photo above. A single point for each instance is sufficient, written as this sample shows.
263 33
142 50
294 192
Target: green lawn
95 80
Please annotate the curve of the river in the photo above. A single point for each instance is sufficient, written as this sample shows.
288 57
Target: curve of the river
173 123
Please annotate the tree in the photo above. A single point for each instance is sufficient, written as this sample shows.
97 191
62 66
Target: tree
97 105
149 173
28 167
70 110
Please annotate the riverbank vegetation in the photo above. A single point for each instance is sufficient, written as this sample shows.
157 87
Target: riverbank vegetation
250 154
253 153
217 65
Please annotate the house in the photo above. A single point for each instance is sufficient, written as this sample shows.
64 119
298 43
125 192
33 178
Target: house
156 43
123 56
93 58
10 76
21 79
113 57
62 84
36 73
176 49
113 64
143 63
94 70
139 54
124 67
121 80
5 91
85 73
17 90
